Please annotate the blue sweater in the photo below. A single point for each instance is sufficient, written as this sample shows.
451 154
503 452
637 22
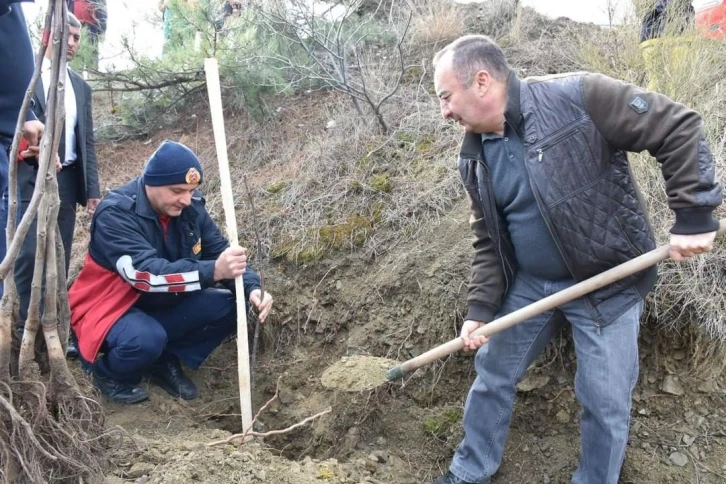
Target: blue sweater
534 247
16 64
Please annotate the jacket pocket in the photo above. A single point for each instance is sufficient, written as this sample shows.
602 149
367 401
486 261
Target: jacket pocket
567 161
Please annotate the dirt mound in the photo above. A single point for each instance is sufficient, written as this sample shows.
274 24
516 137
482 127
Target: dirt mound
356 373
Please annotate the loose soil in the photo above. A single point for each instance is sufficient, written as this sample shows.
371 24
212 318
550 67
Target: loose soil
394 306
357 373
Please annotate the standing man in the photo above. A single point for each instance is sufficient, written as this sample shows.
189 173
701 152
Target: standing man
78 177
146 296
16 65
553 203
93 15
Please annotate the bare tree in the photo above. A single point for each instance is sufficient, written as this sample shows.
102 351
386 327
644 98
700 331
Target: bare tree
333 49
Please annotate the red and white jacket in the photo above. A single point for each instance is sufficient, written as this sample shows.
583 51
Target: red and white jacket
134 251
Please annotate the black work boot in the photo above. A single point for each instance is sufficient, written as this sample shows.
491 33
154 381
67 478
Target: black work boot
450 478
72 350
118 391
168 374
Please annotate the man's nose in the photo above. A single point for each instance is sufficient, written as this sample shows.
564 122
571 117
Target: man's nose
445 111
186 199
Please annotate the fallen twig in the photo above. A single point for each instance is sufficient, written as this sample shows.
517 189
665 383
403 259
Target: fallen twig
250 433
271 432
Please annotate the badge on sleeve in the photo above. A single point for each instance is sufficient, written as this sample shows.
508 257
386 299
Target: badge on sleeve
197 247
639 105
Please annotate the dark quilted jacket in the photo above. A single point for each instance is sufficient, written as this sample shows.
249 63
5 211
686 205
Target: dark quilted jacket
576 129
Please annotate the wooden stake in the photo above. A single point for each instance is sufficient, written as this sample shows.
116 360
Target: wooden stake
243 365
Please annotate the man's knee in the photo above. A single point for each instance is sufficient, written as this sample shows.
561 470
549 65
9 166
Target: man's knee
136 346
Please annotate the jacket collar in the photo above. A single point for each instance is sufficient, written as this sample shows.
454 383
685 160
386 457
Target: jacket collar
471 146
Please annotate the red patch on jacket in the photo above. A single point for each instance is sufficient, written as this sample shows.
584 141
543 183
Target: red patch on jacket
98 298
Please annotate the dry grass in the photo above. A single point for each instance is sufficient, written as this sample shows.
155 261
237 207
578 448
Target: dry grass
435 22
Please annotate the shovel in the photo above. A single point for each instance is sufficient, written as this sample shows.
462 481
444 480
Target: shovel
578 290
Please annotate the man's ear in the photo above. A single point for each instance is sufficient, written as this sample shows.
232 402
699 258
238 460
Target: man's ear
483 80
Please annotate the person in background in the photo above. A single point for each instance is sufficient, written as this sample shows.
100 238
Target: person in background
16 65
553 203
147 296
78 177
678 13
230 8
178 30
93 15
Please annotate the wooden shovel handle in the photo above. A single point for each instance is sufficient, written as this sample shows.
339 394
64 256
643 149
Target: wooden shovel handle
566 295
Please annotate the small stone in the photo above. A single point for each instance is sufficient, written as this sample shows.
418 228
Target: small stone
672 386
546 479
563 416
709 386
533 382
261 475
338 285
652 378
142 480
219 434
140 469
679 355
688 440
678 459
380 441
380 456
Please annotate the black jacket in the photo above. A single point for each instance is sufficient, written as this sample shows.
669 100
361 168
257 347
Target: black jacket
16 64
576 129
85 144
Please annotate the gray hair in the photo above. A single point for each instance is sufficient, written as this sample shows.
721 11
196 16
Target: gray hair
473 53
73 21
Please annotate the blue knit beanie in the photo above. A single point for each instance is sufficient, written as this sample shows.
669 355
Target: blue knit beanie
172 164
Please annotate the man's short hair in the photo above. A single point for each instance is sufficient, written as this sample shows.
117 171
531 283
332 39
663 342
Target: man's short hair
73 21
473 53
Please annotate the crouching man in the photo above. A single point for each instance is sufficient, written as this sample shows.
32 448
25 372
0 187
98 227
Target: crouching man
146 297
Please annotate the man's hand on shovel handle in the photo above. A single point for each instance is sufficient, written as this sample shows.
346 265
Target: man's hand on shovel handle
472 343
685 246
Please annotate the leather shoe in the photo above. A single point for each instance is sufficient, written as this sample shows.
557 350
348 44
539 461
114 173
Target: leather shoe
118 391
72 350
168 374
450 478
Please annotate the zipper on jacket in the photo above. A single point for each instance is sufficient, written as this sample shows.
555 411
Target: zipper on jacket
547 221
564 134
627 236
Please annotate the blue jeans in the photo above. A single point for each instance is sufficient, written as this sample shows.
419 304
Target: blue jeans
607 370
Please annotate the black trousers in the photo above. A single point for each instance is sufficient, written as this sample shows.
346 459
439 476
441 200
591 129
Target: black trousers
68 186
